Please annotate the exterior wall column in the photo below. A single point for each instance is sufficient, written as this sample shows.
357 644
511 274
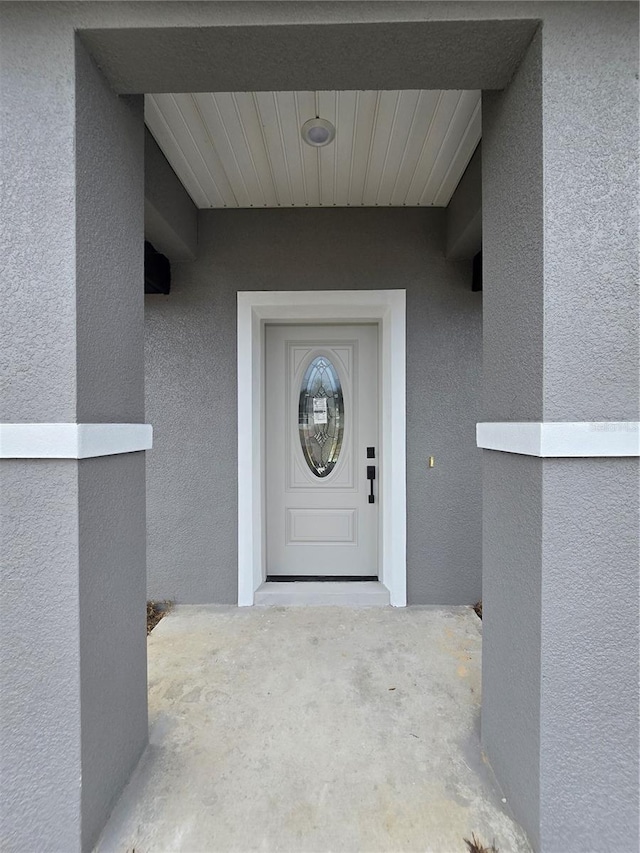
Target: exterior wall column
560 540
73 715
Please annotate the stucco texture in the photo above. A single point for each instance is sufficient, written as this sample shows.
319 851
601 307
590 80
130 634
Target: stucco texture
590 140
39 656
511 645
37 226
560 231
109 157
72 647
561 550
191 393
112 638
589 692
512 234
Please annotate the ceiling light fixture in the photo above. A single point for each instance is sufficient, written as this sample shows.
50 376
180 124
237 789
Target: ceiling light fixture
318 132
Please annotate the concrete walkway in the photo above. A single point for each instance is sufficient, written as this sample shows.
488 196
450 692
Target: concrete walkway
313 729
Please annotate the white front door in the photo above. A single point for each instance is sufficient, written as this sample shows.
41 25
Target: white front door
321 445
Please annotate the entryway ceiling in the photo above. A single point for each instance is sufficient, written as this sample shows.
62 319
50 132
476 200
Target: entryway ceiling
245 149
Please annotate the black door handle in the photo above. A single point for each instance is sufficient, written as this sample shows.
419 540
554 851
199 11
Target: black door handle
371 475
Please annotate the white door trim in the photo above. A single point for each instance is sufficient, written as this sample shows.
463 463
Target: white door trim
255 309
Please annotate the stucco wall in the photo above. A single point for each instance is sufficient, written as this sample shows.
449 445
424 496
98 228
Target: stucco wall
191 388
570 219
560 575
40 658
589 693
73 713
109 148
512 390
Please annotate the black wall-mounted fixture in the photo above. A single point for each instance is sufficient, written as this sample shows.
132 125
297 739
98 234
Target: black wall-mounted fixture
157 271
476 275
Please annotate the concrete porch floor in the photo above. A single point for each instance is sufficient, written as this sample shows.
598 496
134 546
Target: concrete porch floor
313 729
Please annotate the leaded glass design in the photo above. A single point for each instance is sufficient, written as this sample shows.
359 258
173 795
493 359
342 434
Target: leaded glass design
321 416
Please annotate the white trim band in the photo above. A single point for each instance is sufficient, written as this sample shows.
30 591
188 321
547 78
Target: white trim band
562 439
72 441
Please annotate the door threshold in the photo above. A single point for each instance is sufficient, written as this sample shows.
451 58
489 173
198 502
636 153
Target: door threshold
320 578
322 593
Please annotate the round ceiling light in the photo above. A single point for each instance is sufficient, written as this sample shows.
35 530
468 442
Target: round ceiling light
318 132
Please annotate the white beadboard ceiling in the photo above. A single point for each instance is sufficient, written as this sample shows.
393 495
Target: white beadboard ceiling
244 149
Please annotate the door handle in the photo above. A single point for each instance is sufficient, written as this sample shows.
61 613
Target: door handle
371 475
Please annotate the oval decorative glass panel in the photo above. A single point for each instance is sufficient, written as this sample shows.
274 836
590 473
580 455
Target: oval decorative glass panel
321 416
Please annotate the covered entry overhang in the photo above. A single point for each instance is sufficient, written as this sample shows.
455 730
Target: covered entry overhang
560 344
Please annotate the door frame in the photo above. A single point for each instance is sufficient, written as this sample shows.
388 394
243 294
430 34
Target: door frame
255 310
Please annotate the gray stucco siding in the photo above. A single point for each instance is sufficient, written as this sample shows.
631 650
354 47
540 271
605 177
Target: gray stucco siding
112 592
39 657
590 621
559 717
73 719
191 393
109 249
591 151
511 633
512 236
560 150
37 225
